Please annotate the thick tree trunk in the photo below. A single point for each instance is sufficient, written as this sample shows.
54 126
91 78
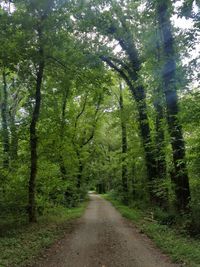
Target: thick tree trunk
124 147
34 140
181 180
4 115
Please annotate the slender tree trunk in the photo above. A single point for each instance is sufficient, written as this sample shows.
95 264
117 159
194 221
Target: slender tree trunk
62 131
14 139
4 115
181 180
34 139
80 173
124 146
80 169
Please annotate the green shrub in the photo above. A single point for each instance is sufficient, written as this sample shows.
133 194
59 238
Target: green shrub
164 217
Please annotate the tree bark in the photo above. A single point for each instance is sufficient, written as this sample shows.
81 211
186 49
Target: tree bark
34 139
182 189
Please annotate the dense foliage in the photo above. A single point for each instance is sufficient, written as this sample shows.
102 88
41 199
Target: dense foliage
99 95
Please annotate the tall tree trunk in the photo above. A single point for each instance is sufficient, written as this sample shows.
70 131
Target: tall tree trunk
181 180
4 115
34 140
124 146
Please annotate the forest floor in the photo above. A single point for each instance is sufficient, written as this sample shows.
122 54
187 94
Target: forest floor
21 243
102 237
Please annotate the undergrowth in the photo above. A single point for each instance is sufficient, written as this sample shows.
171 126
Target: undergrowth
21 245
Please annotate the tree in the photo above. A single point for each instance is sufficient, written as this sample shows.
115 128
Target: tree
180 177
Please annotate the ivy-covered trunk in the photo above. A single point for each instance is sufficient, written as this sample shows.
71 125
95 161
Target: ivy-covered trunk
140 96
180 178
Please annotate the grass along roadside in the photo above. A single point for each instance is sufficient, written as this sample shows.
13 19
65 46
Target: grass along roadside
21 246
179 247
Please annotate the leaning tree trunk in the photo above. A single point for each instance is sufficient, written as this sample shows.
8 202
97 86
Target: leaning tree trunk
139 96
4 115
34 139
181 180
124 147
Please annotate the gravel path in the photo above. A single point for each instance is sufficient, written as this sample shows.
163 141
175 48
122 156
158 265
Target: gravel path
103 238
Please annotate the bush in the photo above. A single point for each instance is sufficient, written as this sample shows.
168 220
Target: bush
163 217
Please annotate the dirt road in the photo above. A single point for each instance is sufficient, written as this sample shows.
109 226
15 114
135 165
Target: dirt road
103 238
